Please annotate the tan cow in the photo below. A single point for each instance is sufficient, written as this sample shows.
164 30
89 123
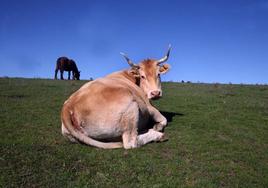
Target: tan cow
111 112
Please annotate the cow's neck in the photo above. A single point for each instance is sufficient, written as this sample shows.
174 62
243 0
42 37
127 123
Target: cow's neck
126 75
131 77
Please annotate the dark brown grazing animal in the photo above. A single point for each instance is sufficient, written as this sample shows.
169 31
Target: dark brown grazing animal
65 64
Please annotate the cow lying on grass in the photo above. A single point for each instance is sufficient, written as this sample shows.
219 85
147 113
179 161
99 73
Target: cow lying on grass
117 107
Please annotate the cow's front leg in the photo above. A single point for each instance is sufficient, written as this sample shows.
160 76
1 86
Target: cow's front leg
161 121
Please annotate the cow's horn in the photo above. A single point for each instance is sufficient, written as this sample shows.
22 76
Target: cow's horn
129 61
164 59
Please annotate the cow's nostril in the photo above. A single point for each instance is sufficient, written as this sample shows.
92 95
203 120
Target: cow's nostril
155 93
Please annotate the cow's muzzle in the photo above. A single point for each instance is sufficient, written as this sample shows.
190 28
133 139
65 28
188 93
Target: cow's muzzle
156 94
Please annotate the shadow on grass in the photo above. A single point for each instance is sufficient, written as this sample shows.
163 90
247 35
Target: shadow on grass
170 115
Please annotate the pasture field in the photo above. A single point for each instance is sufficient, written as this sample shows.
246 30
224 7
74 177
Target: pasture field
218 137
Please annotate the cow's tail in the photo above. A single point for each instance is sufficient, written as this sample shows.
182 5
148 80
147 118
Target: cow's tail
66 117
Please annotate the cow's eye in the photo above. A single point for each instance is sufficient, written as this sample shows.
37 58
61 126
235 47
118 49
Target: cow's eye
143 77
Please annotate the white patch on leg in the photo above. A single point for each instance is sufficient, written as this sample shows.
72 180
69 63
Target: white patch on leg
150 136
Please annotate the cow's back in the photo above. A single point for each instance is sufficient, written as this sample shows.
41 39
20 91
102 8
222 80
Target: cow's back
108 91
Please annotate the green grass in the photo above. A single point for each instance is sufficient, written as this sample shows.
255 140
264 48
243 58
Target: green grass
218 137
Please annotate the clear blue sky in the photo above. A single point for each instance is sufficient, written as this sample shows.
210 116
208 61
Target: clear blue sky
212 40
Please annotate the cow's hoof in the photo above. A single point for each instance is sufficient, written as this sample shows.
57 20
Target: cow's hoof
164 138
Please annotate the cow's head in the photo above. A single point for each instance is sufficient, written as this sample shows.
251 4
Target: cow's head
148 74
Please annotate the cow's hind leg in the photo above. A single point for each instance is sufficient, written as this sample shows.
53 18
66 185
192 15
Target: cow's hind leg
129 121
130 137
150 136
132 140
67 134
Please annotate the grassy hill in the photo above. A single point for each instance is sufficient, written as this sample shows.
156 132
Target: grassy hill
218 137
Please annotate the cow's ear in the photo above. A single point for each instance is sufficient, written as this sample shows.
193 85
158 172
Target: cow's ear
134 72
164 68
